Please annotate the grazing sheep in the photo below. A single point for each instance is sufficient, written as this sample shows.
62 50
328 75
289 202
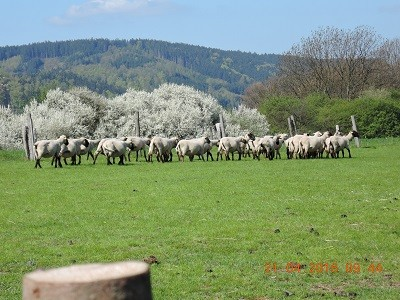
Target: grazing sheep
162 148
232 144
49 148
339 143
73 149
113 148
191 148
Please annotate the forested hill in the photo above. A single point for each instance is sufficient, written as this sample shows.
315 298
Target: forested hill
110 67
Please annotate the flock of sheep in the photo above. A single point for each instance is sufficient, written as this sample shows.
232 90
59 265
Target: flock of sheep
298 146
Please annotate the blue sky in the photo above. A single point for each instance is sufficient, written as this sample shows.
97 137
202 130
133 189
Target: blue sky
261 26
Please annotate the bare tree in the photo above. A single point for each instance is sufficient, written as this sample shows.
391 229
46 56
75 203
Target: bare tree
388 75
337 62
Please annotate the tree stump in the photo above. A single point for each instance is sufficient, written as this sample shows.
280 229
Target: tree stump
113 281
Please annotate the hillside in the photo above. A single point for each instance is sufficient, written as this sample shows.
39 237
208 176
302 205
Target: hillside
110 67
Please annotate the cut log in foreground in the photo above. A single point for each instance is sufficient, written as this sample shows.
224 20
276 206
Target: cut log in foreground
121 280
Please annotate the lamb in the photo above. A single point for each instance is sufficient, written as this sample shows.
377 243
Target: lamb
162 148
313 146
339 143
191 148
231 145
113 148
73 149
49 148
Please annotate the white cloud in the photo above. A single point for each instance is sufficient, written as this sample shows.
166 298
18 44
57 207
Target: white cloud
102 7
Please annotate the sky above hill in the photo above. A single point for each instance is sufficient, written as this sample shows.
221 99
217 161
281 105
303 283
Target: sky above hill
260 26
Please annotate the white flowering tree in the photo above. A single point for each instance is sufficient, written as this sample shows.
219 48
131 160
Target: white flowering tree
241 120
10 129
170 110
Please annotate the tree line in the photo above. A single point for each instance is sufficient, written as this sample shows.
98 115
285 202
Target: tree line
109 67
331 74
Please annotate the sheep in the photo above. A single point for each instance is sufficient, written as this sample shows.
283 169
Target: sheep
208 147
113 148
281 140
313 146
232 144
253 145
293 146
88 150
328 148
161 147
339 143
267 145
191 148
73 149
49 148
138 144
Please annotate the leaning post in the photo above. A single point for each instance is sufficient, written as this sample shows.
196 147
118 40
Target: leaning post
354 126
294 124
290 126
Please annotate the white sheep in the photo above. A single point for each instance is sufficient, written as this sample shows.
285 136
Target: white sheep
112 148
49 148
139 144
267 145
281 138
229 145
73 149
313 146
191 148
208 147
339 143
162 148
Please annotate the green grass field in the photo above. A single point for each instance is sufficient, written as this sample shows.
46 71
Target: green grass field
302 229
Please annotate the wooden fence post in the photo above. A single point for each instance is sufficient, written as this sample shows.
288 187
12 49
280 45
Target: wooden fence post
354 126
121 280
29 138
221 124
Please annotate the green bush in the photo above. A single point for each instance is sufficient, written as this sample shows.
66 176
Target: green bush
377 113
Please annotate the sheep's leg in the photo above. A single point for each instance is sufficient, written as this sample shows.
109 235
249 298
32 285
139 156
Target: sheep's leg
145 157
37 164
210 154
121 160
348 149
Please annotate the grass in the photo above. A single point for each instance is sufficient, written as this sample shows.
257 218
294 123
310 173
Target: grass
213 226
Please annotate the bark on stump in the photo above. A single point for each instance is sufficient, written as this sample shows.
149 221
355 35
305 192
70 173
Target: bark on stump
116 281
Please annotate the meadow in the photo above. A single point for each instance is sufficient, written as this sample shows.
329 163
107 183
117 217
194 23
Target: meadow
218 230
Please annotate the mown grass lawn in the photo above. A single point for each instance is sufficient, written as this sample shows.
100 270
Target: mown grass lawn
214 227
